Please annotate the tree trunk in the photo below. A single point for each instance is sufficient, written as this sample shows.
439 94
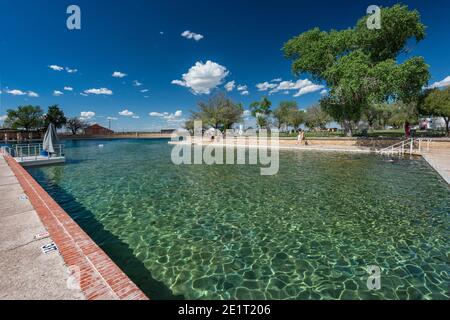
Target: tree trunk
348 128
447 120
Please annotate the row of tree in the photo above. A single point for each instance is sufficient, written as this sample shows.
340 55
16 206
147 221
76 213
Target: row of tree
433 103
360 67
220 112
288 115
33 118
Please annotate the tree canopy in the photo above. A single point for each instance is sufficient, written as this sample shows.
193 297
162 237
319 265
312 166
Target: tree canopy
315 117
75 124
288 114
25 117
359 64
437 103
56 116
261 110
218 112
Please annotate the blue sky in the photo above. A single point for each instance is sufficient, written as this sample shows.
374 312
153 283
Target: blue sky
143 40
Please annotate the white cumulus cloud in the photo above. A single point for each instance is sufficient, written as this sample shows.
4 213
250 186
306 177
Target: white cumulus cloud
87 115
56 67
230 86
68 88
242 87
17 92
69 70
168 116
59 68
192 35
245 93
3 118
264 86
126 113
32 94
302 86
137 83
57 93
441 84
308 89
203 77
118 74
99 91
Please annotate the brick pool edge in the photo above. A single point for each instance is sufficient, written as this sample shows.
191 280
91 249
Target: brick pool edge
99 277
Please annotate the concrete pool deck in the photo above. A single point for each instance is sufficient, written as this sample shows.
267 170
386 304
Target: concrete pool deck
78 270
281 146
26 272
439 160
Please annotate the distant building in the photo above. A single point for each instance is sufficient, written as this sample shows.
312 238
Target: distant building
97 130
431 123
7 134
167 131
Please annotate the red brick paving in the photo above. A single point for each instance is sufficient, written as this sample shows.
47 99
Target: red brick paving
100 278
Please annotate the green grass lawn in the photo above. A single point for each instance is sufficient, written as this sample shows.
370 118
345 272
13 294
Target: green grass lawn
392 133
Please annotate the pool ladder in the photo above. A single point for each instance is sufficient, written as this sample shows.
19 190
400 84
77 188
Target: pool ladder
411 146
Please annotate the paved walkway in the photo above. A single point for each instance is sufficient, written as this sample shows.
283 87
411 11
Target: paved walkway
440 161
281 146
93 271
25 271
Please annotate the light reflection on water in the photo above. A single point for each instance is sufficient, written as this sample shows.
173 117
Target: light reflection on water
225 232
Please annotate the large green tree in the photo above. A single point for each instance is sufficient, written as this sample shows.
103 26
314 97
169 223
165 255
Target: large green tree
377 115
283 113
315 117
261 110
359 64
56 116
25 117
218 112
75 124
402 113
296 118
437 103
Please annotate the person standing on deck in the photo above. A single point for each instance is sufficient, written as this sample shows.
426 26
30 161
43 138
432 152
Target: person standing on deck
300 137
407 130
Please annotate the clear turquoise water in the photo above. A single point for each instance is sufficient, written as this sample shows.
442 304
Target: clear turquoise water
226 232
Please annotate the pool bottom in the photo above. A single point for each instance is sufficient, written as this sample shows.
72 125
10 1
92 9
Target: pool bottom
221 232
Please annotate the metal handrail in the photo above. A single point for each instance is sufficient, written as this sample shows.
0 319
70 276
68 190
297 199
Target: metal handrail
33 150
402 146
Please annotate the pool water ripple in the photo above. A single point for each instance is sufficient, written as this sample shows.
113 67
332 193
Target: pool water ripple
225 232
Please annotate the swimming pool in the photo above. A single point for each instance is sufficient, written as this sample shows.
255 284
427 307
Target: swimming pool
226 232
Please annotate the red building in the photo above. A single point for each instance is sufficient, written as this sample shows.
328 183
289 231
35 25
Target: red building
97 130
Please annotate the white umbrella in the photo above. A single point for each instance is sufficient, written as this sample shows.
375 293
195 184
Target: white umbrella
50 139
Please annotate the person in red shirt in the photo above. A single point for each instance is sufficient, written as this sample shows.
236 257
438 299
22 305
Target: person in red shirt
407 130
